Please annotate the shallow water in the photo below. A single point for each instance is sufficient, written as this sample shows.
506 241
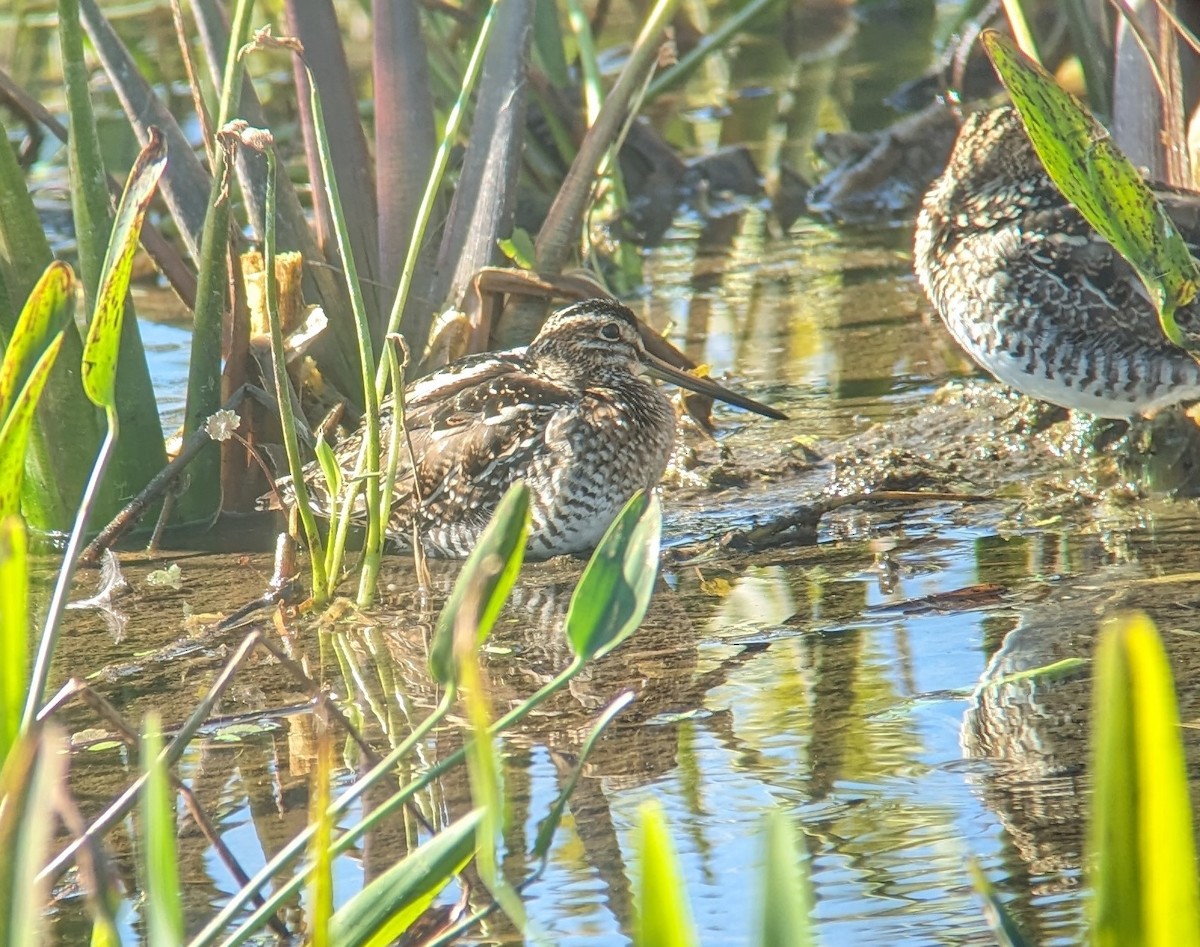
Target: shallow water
830 680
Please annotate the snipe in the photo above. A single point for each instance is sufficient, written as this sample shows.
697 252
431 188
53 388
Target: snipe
571 415
1033 293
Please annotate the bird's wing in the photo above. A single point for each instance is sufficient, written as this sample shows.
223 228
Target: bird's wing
469 426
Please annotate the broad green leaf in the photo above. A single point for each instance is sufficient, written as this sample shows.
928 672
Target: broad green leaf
14 431
662 915
1142 852
104 332
14 629
614 592
160 866
385 908
320 848
785 898
485 581
46 312
30 781
1092 173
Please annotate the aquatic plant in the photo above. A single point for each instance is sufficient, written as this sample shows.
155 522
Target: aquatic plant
624 568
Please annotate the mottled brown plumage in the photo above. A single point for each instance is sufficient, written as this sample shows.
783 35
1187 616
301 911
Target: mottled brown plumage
1033 293
571 415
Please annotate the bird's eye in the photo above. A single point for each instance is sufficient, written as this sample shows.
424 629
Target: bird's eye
610 332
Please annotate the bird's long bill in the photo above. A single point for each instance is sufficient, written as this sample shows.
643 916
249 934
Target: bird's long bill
706 386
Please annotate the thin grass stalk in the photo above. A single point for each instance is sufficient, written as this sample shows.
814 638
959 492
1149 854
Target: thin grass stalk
398 430
372 554
611 202
483 771
62 587
713 42
204 367
216 926
355 832
1019 24
593 89
341 526
449 138
160 860
557 236
549 825
14 629
320 892
117 811
287 420
90 202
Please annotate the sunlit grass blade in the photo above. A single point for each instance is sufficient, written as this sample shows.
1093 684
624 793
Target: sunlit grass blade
483 761
27 363
99 371
386 907
1143 854
318 563
45 312
204 364
140 457
160 866
14 629
368 466
320 882
1099 181
663 918
484 582
57 464
29 782
614 592
104 331
785 897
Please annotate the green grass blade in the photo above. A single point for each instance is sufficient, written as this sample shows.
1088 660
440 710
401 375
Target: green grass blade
22 378
103 343
46 312
14 629
91 205
29 781
287 420
24 250
785 898
663 918
450 140
204 365
484 582
386 907
320 883
483 762
140 455
1099 181
14 432
160 865
67 431
614 592
1142 848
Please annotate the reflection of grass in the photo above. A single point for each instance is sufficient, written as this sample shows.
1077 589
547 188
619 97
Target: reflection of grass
608 605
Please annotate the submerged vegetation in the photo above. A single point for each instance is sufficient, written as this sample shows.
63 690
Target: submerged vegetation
476 111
